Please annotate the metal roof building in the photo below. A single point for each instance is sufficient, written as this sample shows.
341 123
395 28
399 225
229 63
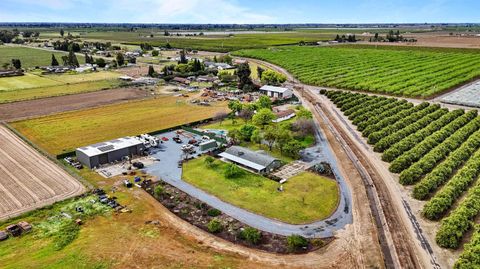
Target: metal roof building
276 92
109 151
255 161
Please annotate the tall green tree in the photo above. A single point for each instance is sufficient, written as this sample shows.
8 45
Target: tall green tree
120 59
62 32
16 63
54 60
244 81
263 117
72 59
151 71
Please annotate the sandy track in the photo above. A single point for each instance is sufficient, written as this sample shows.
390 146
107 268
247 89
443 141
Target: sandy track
51 105
29 180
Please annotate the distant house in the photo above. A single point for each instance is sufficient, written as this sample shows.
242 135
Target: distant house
11 73
257 162
181 80
276 92
239 61
206 79
284 115
218 66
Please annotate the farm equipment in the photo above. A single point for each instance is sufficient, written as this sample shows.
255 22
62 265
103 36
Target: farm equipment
25 226
138 165
137 179
14 230
127 183
164 138
177 140
3 235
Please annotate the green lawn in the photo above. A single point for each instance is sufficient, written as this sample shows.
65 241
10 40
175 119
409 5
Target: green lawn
306 198
24 82
30 57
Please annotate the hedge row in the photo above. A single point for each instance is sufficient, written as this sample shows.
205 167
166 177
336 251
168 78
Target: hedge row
455 187
470 257
408 158
358 101
445 170
427 162
365 104
383 106
386 142
392 119
373 138
387 113
369 108
454 227
410 141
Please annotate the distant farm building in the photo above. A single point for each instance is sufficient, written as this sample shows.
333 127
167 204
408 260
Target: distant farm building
181 80
110 151
284 115
11 73
276 92
257 162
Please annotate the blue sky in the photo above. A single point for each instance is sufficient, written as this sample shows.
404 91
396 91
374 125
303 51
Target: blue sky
235 11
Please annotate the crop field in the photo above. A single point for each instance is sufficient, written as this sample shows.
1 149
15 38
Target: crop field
64 132
218 43
29 57
435 150
29 180
41 92
33 85
413 73
299 203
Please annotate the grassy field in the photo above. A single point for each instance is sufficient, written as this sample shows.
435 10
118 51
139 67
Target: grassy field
30 57
66 131
41 92
306 197
414 73
35 80
33 85
108 240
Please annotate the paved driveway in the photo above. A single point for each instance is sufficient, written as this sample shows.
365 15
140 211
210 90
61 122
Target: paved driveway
167 169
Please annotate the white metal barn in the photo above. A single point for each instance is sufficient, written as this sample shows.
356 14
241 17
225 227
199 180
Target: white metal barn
276 92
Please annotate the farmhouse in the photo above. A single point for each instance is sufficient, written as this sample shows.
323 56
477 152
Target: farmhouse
258 162
276 92
284 115
181 80
219 66
110 151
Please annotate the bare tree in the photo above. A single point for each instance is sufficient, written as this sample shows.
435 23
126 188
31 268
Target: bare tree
245 114
304 127
220 116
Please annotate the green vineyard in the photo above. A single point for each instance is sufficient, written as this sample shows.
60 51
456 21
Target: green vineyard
436 150
412 73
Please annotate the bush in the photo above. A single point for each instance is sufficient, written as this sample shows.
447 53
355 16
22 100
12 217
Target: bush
251 235
215 226
210 161
213 212
158 191
232 171
66 235
296 242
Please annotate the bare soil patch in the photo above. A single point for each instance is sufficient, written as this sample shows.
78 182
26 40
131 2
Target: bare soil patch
51 105
29 180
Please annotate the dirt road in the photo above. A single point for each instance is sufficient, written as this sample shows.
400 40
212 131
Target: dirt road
51 105
28 179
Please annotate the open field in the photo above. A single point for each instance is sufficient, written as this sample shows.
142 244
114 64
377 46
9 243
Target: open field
306 197
410 72
30 57
433 149
41 92
218 42
64 132
29 180
46 106
32 80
